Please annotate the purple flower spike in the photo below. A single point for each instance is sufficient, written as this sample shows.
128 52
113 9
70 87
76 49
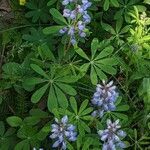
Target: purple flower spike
104 99
62 131
111 136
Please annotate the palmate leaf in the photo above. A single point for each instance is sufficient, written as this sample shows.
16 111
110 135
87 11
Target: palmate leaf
38 10
99 63
57 86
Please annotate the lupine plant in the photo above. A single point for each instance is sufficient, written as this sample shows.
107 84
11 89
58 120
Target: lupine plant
74 75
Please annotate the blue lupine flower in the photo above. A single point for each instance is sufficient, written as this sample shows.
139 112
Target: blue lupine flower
111 136
66 13
104 99
63 30
65 2
78 14
62 131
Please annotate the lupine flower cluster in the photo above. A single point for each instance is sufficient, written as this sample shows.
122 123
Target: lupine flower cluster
112 136
78 18
62 131
104 99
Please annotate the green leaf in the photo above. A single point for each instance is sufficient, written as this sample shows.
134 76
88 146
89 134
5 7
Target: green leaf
93 76
46 52
52 100
86 111
94 46
85 126
33 81
38 113
122 108
73 104
37 69
51 2
108 28
81 53
67 89
147 1
14 121
52 30
106 5
23 145
83 106
115 3
108 69
39 93
32 120
121 116
67 79
100 73
56 14
108 61
62 100
106 52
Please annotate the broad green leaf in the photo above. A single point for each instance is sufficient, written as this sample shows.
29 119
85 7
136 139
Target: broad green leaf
93 76
32 120
73 104
125 29
83 106
106 5
52 100
81 53
67 79
85 126
108 61
108 28
122 108
115 3
86 111
67 89
100 73
119 99
46 52
147 1
33 81
51 2
37 69
56 14
62 100
121 116
39 93
94 46
14 121
118 25
52 30
108 69
107 51
38 113
23 145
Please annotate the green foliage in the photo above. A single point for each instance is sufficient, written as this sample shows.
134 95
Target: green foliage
38 11
57 85
100 62
43 76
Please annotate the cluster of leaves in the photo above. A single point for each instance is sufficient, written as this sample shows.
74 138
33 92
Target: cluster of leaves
42 76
